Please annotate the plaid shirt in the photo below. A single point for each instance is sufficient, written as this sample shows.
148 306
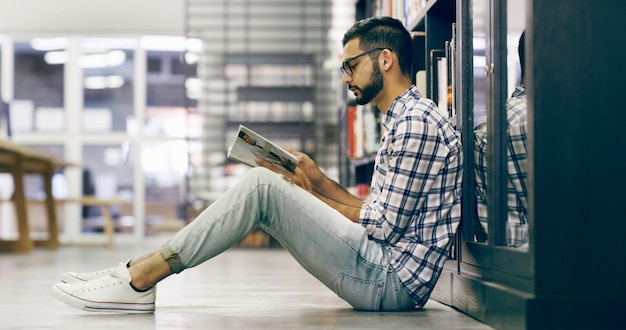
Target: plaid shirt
416 191
517 168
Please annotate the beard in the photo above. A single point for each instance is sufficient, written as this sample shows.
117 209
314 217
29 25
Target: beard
371 90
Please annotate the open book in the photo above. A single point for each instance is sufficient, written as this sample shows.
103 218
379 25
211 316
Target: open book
249 145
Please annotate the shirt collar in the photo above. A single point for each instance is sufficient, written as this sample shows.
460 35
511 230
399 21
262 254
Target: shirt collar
520 90
398 104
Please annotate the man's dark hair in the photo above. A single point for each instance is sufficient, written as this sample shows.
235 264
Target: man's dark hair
383 32
521 52
242 134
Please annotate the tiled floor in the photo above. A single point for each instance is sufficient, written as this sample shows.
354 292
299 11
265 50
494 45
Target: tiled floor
240 289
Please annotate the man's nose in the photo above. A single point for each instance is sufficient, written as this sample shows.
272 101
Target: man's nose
345 78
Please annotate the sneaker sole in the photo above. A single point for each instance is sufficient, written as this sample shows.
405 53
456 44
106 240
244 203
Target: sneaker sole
92 306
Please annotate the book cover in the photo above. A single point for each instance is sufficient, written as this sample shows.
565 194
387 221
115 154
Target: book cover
350 119
249 145
359 134
372 135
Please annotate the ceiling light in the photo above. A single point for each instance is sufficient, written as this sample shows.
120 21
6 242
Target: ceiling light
56 57
45 45
103 60
102 82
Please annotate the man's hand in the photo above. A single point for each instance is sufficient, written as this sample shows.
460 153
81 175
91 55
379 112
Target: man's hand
298 177
310 169
309 176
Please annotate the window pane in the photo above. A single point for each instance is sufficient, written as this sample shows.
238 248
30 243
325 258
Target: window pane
108 173
38 99
164 164
171 110
108 84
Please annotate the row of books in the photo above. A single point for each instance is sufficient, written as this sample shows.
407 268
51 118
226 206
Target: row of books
363 130
270 75
404 10
273 111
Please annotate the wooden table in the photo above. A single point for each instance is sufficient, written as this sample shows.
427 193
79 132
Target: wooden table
104 204
18 161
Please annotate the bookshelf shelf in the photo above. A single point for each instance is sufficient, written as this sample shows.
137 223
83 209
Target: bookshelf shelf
275 93
363 161
280 59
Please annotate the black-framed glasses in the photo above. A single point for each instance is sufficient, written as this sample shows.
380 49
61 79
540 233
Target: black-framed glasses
347 68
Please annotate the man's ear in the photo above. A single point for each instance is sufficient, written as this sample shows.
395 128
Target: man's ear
386 60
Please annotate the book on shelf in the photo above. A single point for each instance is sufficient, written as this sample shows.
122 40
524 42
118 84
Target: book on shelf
404 10
442 85
442 82
363 131
438 78
452 85
248 145
358 133
350 137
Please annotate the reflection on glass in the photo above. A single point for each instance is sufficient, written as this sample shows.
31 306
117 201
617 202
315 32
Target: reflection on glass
517 169
516 229
479 225
516 222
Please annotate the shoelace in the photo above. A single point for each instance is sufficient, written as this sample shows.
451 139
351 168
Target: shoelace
108 281
99 273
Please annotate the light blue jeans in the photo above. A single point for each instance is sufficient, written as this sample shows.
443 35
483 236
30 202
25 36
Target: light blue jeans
328 245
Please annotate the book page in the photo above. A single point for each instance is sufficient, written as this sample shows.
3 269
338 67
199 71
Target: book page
249 145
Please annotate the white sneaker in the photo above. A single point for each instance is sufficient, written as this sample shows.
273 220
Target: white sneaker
71 277
109 293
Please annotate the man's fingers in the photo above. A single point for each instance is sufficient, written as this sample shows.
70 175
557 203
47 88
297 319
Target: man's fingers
270 166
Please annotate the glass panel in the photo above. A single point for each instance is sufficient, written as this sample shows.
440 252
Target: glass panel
172 107
108 84
38 99
164 164
516 228
479 227
108 173
172 92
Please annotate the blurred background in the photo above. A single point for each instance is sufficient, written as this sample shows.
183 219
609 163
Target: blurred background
144 97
